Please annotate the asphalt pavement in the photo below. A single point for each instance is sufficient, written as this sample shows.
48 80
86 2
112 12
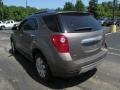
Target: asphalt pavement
18 73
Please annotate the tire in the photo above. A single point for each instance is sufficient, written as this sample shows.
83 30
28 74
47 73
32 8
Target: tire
13 48
3 28
42 68
119 24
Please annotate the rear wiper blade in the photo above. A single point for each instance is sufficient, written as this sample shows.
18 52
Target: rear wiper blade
84 28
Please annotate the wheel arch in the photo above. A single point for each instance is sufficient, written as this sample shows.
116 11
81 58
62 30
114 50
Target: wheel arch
36 51
3 26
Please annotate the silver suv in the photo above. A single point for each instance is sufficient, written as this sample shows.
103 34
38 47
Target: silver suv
61 44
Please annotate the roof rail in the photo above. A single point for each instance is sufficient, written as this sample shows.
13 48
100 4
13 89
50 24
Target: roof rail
45 11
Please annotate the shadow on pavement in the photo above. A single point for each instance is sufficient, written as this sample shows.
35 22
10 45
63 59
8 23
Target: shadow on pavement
56 83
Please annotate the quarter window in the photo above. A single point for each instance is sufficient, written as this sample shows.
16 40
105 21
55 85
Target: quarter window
52 22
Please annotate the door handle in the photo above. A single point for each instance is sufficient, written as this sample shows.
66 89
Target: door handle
32 35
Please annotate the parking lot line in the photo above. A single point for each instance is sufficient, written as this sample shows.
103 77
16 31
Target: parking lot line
118 32
108 33
114 54
114 49
0 69
5 38
113 33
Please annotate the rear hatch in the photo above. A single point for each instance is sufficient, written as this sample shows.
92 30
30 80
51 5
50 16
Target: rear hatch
84 34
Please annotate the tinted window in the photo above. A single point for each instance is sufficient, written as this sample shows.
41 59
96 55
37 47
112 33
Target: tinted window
52 22
80 23
11 21
8 22
30 24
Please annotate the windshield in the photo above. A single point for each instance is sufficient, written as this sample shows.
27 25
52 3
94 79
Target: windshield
79 23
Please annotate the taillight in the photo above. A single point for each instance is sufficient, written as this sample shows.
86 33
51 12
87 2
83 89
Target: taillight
60 42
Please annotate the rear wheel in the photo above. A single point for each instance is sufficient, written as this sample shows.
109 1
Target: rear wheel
42 68
3 28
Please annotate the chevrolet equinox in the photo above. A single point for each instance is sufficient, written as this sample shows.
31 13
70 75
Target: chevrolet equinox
61 44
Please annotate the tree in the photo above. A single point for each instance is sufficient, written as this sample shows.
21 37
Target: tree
101 11
68 6
79 6
108 9
93 7
118 6
59 9
17 13
1 9
1 2
110 4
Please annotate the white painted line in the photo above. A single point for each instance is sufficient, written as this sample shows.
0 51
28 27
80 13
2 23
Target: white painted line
5 38
114 49
108 34
114 54
0 69
118 31
111 33
15 80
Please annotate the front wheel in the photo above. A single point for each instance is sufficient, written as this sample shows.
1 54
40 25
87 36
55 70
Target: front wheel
118 24
13 48
42 68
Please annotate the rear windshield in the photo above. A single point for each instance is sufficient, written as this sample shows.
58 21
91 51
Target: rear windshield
79 23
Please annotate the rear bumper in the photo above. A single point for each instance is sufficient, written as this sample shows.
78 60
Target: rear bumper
76 67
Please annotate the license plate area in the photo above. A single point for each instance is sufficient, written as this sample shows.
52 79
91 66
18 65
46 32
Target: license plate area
90 67
93 48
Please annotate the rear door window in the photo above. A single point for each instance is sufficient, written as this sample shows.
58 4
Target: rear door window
79 23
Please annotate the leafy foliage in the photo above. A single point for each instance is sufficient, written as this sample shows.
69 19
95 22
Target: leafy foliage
16 13
69 6
103 10
93 5
79 6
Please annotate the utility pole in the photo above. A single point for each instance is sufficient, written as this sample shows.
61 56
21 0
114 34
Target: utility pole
26 3
114 27
118 4
114 7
